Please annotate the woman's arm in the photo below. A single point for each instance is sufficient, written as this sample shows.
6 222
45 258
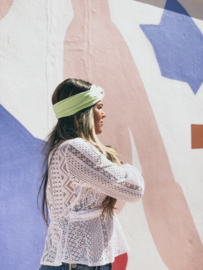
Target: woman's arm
91 167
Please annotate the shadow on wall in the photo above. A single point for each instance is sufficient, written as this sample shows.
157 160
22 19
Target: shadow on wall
193 7
22 229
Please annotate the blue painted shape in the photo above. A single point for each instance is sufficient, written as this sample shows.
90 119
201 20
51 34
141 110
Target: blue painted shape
22 229
178 45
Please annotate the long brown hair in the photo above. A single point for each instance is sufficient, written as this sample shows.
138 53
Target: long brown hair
81 124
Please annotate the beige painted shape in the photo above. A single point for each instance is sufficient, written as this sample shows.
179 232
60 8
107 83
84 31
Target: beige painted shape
94 50
137 230
143 254
5 6
130 16
135 162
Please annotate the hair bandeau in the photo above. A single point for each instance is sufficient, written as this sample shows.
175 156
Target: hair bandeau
76 103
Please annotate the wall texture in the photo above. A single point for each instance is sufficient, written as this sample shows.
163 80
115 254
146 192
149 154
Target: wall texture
148 57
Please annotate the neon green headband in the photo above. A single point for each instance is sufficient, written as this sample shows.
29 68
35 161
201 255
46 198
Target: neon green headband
73 104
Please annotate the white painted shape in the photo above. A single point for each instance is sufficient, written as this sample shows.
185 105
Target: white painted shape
135 157
173 102
31 60
199 24
58 21
143 253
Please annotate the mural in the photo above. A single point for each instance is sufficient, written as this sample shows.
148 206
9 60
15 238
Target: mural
22 229
178 45
147 60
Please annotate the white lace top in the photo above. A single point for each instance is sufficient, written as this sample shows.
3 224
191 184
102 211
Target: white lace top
80 178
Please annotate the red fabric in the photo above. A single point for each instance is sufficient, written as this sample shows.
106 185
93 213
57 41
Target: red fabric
120 262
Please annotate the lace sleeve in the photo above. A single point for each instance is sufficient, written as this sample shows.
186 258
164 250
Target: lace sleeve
92 168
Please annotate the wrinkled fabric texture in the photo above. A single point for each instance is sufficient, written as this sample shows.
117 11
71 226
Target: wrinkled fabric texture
79 179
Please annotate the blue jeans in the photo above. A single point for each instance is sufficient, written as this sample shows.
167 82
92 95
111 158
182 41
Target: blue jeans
66 266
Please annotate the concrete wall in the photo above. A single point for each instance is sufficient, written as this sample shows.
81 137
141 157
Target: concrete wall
148 57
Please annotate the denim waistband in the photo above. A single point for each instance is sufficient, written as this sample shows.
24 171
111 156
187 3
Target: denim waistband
74 266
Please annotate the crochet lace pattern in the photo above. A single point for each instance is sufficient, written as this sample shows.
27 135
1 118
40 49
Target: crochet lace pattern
79 179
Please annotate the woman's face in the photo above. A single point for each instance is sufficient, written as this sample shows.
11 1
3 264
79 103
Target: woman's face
99 115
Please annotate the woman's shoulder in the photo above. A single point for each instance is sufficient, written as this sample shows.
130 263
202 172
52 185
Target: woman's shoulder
76 142
79 144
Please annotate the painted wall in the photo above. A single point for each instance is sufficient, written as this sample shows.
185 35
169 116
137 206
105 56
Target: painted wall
148 57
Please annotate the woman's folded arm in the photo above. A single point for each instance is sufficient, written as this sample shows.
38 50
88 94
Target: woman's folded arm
91 167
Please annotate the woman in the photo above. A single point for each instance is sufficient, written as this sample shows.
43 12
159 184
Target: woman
82 183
